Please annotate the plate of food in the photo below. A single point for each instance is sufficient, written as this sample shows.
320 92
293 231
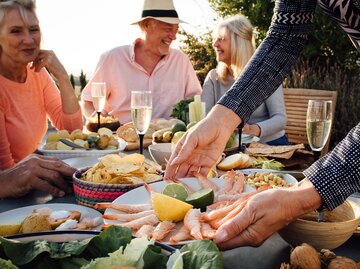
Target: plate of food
228 194
48 218
84 144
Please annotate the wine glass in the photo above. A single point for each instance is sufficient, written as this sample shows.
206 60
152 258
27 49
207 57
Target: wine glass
141 108
318 124
98 94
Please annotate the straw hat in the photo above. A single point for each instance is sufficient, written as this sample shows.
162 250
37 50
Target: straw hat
162 10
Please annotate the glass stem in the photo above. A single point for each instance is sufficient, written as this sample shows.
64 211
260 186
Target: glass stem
240 149
317 155
98 115
141 138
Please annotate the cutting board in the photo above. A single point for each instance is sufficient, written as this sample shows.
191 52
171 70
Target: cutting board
136 145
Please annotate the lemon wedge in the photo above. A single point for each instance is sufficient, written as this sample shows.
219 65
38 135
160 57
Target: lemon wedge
169 209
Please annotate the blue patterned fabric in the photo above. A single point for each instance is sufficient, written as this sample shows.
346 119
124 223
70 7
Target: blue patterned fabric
337 175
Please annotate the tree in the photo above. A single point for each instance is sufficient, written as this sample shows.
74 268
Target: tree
83 80
72 80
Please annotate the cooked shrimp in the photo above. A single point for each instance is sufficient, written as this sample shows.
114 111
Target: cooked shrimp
88 223
128 208
145 230
205 182
162 230
136 224
227 197
181 235
229 178
128 217
219 204
239 183
207 231
239 206
192 221
151 192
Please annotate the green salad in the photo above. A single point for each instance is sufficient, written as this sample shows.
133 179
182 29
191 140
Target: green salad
111 248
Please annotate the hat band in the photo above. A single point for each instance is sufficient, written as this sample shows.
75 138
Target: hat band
159 13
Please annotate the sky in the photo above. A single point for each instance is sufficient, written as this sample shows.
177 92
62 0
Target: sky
79 31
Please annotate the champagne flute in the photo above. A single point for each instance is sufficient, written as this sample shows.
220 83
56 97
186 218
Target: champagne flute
98 94
318 124
141 108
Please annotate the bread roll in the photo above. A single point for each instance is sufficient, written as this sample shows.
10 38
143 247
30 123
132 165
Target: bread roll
238 160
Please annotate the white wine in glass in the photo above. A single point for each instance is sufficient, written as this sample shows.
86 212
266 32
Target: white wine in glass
141 109
98 95
318 123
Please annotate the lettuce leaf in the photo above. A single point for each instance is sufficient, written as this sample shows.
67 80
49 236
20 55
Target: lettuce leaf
202 255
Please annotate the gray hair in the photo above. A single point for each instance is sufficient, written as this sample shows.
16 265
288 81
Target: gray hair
23 6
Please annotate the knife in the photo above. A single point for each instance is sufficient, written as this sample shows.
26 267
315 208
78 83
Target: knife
72 144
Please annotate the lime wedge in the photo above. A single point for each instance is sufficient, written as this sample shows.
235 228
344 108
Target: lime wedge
176 191
201 199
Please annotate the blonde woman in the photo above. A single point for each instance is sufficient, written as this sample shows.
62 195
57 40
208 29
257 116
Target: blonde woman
234 45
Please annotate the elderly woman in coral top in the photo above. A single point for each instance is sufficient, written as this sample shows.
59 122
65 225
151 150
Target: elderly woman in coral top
28 95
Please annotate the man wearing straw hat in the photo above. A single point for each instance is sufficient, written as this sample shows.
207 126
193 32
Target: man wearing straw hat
148 64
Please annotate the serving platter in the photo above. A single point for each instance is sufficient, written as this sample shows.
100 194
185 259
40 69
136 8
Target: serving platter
66 154
54 236
18 215
140 196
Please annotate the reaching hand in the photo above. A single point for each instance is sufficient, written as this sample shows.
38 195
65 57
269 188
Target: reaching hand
36 172
266 213
199 149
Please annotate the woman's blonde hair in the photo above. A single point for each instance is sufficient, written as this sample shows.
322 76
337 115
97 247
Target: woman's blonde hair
242 42
23 6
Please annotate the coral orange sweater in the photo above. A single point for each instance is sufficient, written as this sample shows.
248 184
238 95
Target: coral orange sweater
24 108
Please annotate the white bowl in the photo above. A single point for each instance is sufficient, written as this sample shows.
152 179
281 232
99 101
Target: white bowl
160 152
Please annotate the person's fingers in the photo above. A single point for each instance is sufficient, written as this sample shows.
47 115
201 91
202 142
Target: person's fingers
58 166
45 186
233 227
172 169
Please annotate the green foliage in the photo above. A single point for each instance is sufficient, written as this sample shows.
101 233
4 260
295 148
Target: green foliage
181 110
83 80
328 61
72 80
200 52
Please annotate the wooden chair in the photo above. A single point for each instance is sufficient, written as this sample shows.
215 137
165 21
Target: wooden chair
296 102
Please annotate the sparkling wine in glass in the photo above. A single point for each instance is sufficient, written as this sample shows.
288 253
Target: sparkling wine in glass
141 108
98 94
318 124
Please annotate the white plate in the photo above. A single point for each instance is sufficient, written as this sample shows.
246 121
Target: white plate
140 195
287 177
81 162
18 215
65 154
55 236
